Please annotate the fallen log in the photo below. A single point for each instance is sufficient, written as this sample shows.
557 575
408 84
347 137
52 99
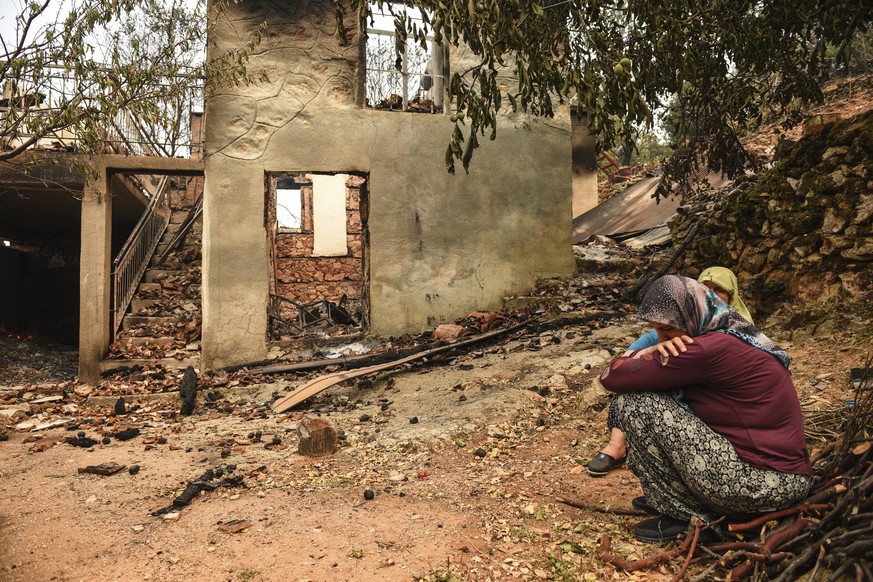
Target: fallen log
315 386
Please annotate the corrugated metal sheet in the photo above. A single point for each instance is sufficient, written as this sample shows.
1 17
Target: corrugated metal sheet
655 236
632 213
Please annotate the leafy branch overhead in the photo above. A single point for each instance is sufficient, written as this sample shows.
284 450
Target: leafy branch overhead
726 63
71 70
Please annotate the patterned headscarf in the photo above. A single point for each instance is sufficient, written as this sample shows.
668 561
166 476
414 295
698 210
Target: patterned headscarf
685 304
724 279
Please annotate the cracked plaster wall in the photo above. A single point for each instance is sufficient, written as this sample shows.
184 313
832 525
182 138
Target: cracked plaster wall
440 245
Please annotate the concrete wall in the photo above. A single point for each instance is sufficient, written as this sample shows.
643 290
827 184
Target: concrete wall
440 245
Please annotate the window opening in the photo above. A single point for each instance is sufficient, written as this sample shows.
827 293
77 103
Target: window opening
289 206
412 82
318 286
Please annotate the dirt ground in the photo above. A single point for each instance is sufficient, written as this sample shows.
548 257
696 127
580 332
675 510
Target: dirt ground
465 458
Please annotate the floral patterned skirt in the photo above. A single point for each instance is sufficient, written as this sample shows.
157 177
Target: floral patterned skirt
688 470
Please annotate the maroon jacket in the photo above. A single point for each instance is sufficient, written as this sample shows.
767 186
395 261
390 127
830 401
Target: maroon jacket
741 392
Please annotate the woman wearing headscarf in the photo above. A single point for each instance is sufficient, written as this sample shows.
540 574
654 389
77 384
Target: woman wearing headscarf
722 282
740 448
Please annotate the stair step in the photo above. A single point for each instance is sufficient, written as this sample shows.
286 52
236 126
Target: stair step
147 341
137 305
170 262
155 275
148 287
132 320
173 229
106 365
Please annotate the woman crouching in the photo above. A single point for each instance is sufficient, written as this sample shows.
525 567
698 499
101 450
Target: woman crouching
738 447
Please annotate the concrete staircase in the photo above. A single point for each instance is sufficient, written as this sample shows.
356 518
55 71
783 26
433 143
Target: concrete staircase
162 324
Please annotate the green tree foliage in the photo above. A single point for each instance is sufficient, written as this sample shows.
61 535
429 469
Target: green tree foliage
727 62
102 63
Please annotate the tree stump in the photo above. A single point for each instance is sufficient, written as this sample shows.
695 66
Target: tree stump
317 437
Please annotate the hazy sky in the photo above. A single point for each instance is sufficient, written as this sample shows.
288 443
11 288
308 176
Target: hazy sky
10 9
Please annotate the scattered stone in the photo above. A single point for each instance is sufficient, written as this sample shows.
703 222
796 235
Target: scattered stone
105 469
368 494
83 390
126 434
317 437
4 437
15 413
235 525
137 528
43 445
365 418
106 440
413 420
133 469
480 452
172 516
120 407
81 441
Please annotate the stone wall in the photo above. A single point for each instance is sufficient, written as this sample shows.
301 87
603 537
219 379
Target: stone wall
802 230
440 245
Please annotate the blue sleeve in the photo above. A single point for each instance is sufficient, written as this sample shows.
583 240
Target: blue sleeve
645 341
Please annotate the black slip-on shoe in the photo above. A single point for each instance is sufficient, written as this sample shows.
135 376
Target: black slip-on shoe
660 529
602 464
663 529
643 505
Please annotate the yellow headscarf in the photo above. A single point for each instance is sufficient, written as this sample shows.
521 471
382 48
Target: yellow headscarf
725 279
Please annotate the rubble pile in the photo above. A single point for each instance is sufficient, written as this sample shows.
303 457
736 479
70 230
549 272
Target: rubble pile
30 361
801 231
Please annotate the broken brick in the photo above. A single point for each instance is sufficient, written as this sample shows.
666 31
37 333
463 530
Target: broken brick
448 331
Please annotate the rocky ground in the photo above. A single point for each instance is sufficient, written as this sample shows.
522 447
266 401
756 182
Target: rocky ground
459 467
466 457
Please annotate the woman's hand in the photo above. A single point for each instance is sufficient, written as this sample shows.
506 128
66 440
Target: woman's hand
671 347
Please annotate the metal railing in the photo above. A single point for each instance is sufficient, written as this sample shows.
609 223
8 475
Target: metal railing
133 259
170 132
